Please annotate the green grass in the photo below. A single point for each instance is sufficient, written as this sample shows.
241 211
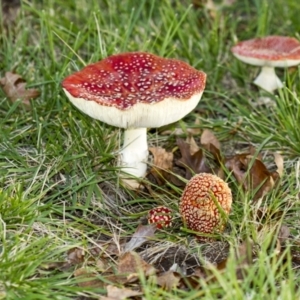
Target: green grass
59 182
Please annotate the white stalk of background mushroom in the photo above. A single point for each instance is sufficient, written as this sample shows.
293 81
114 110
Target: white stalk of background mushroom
268 80
268 52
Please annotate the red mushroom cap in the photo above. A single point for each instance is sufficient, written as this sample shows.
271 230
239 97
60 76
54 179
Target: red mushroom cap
202 200
277 51
136 83
161 216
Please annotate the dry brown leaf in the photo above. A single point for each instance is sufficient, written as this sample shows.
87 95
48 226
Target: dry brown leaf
283 234
211 7
10 11
168 280
162 163
132 264
279 163
14 85
75 256
107 248
210 142
228 2
251 173
193 281
193 145
142 234
57 265
115 293
195 163
86 278
162 159
208 137
103 265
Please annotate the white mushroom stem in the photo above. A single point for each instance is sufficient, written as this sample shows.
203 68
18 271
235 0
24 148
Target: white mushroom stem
268 80
134 154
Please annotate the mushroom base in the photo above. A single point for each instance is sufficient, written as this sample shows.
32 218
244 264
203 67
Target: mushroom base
268 80
134 154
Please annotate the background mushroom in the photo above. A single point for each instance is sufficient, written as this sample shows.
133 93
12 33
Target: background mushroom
205 202
269 52
134 91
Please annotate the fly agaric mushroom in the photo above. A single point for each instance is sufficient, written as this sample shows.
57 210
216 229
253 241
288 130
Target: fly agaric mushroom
205 201
134 91
161 216
269 52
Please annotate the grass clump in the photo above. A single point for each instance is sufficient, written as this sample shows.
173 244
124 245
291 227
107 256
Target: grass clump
59 184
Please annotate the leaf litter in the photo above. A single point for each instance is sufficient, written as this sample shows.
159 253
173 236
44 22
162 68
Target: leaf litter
14 87
111 263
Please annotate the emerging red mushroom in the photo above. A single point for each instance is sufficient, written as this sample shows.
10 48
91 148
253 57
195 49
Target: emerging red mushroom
269 52
161 216
205 203
134 91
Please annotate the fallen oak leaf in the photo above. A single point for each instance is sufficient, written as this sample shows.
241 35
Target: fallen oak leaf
106 248
115 293
131 264
208 5
208 137
194 158
168 280
191 282
14 85
142 234
194 148
193 163
283 234
162 158
86 278
109 248
279 163
210 142
75 256
10 11
162 164
251 173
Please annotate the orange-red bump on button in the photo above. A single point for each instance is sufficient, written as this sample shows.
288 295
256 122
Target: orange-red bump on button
161 216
